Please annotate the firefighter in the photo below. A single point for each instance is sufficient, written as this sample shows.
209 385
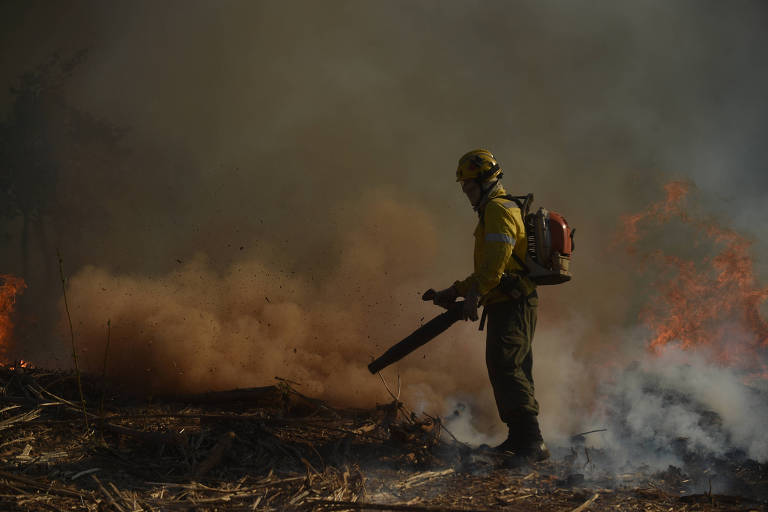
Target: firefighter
509 300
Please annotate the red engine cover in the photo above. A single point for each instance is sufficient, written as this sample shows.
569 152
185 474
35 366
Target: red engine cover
560 233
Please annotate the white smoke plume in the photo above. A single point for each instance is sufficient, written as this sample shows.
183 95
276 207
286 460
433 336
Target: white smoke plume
665 406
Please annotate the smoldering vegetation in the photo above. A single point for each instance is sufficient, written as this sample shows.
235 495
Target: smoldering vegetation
664 409
251 189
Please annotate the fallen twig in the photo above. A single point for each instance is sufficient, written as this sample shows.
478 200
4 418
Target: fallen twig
83 473
14 441
422 478
27 416
591 432
106 494
586 504
42 486
201 487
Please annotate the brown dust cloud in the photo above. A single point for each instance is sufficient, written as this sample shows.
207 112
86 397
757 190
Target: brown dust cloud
251 190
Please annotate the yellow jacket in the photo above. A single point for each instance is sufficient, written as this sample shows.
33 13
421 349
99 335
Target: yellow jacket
499 232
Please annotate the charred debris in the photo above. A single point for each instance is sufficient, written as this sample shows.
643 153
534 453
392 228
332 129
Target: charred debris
273 448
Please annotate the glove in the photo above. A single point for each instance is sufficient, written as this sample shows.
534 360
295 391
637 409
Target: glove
445 298
469 311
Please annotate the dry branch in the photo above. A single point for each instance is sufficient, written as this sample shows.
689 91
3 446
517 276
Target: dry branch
422 478
25 417
586 504
49 487
107 495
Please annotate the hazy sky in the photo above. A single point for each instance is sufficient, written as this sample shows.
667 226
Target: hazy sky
233 107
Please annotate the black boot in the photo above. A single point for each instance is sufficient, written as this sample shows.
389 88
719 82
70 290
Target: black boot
512 444
514 438
524 442
531 445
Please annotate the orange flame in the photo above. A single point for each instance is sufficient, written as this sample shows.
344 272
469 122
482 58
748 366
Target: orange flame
11 286
660 212
20 364
713 302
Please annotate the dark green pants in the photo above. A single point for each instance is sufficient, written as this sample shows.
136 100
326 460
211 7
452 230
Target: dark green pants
509 357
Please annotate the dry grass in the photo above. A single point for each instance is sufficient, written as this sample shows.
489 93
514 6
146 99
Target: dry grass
275 449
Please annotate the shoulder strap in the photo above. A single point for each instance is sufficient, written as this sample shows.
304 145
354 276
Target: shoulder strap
522 202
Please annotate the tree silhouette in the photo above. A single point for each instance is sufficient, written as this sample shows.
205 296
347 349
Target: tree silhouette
28 169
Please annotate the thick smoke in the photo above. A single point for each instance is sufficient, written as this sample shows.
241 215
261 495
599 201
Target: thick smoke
661 409
197 329
700 388
207 155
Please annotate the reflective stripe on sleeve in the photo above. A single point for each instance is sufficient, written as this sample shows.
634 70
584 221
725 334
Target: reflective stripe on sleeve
500 237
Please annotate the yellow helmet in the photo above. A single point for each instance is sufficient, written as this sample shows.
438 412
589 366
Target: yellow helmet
478 164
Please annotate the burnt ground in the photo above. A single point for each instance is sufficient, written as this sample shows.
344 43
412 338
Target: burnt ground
273 448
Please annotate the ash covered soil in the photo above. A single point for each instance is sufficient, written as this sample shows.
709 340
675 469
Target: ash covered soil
273 448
